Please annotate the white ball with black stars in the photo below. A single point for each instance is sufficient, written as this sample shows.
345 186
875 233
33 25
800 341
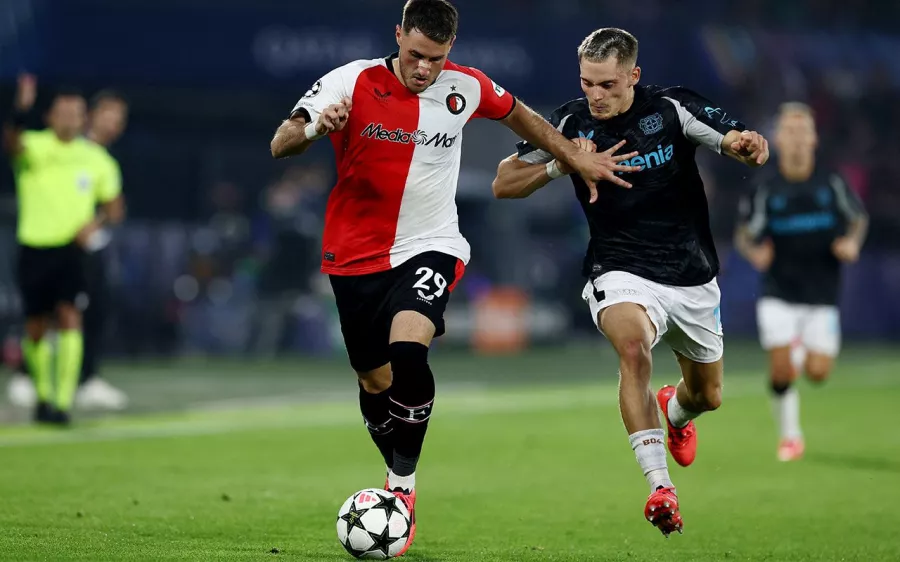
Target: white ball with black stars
373 524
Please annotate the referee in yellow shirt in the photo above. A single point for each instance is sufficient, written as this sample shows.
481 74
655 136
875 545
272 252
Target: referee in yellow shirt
60 179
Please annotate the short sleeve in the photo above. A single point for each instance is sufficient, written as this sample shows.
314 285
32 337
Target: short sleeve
496 103
752 211
702 122
848 203
328 90
531 154
109 184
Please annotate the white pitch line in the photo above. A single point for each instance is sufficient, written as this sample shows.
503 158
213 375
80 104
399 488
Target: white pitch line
276 413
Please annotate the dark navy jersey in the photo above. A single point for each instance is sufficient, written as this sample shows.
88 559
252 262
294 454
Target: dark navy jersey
659 229
802 220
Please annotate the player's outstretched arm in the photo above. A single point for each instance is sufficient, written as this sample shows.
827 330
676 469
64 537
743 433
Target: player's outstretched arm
748 147
592 167
26 93
517 179
296 134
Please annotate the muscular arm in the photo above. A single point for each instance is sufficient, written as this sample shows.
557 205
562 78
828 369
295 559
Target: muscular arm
530 126
290 138
517 180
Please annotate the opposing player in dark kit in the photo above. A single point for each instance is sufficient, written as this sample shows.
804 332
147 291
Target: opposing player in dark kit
798 228
651 261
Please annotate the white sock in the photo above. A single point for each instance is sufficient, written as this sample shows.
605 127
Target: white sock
651 455
786 408
678 415
407 483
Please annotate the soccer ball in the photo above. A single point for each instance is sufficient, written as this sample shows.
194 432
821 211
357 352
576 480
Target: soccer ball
373 524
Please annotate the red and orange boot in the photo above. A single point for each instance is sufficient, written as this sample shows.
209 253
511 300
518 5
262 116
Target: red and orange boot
662 511
409 500
682 441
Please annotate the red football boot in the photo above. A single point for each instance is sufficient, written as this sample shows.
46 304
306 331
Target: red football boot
682 440
662 511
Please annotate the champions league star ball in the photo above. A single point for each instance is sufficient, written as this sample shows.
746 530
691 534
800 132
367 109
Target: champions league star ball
373 524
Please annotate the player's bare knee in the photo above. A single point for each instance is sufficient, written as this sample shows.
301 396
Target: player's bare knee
36 328
817 369
781 368
634 355
412 326
69 317
412 392
709 398
377 380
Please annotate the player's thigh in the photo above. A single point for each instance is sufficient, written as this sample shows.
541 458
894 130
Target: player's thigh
36 276
778 322
420 294
625 307
365 331
697 323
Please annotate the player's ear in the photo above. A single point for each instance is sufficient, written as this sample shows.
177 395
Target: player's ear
635 75
398 33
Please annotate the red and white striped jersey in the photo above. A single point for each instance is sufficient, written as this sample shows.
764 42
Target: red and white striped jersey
397 162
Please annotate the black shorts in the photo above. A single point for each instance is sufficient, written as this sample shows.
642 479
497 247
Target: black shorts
50 276
367 304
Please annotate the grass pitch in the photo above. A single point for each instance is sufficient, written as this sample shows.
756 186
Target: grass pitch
526 460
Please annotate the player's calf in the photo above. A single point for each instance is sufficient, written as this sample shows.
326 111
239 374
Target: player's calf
411 401
374 404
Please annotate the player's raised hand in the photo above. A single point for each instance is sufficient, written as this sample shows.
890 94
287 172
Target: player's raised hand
584 144
845 249
334 117
26 92
603 166
761 256
752 147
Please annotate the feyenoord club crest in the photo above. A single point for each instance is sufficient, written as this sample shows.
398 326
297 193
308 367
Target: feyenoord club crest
456 103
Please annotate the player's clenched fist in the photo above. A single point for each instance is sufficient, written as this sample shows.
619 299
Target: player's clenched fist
752 147
334 118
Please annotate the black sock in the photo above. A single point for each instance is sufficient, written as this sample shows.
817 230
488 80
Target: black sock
412 397
378 420
779 388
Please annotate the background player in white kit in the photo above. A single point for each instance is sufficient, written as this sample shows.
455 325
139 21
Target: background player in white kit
797 228
392 245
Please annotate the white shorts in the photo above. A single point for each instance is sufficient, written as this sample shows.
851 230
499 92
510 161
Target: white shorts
686 318
816 326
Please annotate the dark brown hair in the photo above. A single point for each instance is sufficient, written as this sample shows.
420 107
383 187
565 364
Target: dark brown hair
435 19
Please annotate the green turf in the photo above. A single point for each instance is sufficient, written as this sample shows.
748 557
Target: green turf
540 471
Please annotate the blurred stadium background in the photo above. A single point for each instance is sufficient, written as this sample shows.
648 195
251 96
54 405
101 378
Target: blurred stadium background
220 252
214 277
